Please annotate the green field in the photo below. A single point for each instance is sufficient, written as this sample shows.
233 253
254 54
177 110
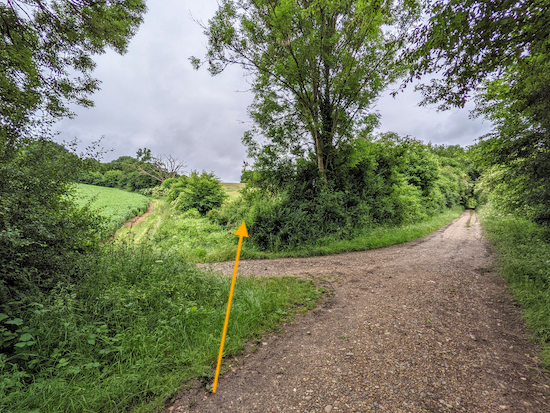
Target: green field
232 189
116 205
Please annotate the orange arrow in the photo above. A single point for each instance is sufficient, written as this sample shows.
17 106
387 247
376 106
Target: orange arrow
241 232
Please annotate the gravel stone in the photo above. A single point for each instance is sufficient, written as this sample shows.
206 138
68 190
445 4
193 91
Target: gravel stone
441 333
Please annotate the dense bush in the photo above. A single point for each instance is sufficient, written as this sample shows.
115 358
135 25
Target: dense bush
387 181
176 187
202 192
41 229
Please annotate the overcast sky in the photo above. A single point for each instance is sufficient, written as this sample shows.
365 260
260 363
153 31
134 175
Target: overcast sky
151 97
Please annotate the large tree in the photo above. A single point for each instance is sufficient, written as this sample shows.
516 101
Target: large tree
46 49
316 68
499 53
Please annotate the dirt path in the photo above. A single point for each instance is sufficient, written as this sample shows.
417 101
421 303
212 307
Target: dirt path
421 326
137 219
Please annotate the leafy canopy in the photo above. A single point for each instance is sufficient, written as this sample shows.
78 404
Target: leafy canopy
470 41
46 48
316 68
498 52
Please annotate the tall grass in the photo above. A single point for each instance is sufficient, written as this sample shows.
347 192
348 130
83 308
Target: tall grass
524 259
133 330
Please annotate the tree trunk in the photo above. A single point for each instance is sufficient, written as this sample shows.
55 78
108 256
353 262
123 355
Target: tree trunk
319 146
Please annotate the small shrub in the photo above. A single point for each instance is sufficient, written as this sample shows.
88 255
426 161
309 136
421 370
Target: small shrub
176 187
202 192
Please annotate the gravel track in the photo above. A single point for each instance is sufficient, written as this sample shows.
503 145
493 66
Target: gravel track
425 326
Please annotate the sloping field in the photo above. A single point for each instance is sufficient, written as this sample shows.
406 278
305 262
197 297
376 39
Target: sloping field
232 189
115 204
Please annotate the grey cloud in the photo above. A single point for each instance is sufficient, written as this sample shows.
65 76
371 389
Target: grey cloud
151 97
403 116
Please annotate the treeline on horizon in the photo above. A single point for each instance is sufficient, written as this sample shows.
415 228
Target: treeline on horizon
123 172
383 180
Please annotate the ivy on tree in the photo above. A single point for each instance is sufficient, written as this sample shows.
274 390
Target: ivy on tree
316 66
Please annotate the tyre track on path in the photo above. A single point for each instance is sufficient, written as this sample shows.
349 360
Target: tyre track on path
425 326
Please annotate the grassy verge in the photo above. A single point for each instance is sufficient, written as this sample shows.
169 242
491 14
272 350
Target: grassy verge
116 205
138 326
524 259
196 239
374 238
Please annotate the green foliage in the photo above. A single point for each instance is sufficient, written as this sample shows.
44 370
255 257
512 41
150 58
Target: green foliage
497 51
41 229
202 192
388 181
135 174
136 326
123 172
316 67
177 187
115 205
111 178
471 41
189 235
46 50
157 191
169 182
518 106
524 259
209 238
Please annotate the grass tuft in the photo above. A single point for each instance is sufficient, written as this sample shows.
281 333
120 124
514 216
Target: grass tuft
524 260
